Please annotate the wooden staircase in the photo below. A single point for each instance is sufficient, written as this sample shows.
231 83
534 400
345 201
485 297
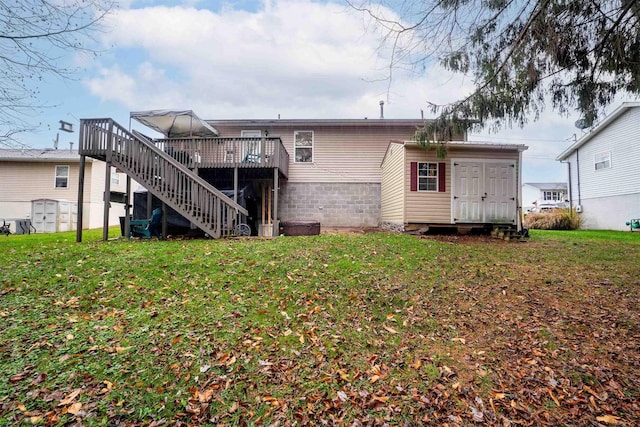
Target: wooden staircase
166 178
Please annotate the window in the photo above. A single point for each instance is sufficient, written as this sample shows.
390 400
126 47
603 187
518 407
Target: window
553 196
303 146
62 177
250 148
115 176
427 177
602 160
251 133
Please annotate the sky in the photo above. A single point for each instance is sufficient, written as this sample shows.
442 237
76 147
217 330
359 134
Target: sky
293 59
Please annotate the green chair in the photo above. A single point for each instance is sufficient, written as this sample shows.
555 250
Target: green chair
146 227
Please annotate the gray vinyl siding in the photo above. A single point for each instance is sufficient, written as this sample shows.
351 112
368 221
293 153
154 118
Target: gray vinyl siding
622 139
393 190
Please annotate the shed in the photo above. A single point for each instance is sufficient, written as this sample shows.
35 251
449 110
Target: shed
477 185
51 216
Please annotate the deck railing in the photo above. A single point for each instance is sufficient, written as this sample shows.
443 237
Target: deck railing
163 175
266 152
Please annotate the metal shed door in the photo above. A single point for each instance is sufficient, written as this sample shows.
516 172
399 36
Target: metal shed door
484 192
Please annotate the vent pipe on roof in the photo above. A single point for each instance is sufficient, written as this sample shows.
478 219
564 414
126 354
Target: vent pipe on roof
70 146
382 109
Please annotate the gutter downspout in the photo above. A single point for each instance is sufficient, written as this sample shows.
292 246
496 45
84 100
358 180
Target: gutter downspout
578 176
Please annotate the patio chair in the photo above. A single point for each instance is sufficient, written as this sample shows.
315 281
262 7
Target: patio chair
146 227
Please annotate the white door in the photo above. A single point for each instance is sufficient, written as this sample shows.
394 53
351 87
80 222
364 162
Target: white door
484 192
44 215
467 195
251 149
500 201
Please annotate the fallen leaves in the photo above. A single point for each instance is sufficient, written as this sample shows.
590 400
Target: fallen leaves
609 419
429 337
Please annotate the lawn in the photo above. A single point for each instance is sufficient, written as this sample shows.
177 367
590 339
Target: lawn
337 329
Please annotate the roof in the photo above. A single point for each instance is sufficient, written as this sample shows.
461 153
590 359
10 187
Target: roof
318 122
40 155
479 144
547 185
175 124
484 145
597 129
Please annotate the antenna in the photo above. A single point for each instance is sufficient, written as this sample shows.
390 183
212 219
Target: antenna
582 123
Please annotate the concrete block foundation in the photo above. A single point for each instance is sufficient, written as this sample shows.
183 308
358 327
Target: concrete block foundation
332 204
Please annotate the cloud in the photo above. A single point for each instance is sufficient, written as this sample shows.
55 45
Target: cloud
292 57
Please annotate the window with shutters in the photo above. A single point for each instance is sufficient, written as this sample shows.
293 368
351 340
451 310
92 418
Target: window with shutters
427 176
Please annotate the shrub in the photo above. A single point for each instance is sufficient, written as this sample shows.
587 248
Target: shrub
558 219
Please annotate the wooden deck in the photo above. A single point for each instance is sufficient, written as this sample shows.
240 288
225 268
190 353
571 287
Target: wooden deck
199 153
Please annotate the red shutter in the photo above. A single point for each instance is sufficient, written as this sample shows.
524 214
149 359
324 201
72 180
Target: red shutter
414 176
442 178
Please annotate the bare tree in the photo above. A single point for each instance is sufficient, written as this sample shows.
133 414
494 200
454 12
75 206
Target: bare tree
36 39
577 54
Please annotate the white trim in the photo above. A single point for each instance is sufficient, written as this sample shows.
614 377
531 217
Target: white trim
605 157
418 177
313 143
251 133
597 129
484 161
56 176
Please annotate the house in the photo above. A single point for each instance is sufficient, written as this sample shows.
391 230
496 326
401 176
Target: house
327 171
604 170
42 185
544 193
475 186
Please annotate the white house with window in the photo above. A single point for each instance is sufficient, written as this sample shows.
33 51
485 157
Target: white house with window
603 167
42 185
544 193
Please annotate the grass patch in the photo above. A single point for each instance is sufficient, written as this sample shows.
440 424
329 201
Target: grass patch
321 329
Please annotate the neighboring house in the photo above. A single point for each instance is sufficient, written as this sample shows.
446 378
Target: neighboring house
42 185
330 171
476 185
604 170
543 193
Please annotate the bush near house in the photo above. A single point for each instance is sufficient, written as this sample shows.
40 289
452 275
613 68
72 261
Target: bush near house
557 219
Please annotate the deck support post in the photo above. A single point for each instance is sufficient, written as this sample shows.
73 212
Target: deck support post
127 209
107 183
79 217
149 202
164 220
276 190
235 184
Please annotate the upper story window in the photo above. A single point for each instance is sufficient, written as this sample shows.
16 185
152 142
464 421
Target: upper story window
115 177
303 146
602 160
251 133
427 177
553 195
62 176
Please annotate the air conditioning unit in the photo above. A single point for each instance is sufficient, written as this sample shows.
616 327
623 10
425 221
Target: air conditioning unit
578 208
